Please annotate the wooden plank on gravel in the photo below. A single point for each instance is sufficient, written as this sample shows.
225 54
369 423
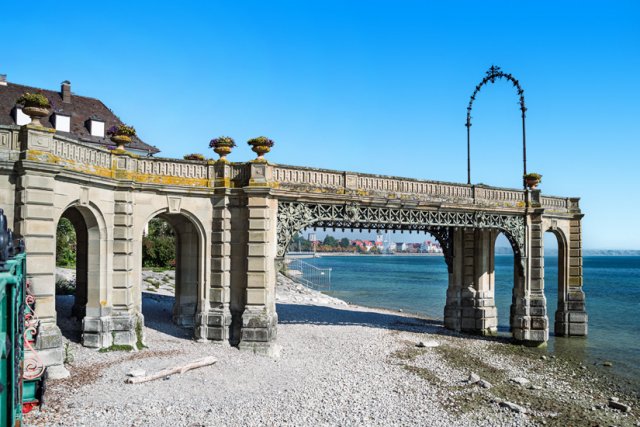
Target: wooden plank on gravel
170 371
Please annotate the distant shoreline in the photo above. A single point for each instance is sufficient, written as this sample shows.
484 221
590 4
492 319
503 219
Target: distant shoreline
324 254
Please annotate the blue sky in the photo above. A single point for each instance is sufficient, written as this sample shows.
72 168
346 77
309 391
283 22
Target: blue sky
371 86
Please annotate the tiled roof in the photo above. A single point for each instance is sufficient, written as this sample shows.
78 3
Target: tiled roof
81 108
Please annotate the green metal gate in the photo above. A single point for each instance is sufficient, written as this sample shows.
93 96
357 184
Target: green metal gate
21 383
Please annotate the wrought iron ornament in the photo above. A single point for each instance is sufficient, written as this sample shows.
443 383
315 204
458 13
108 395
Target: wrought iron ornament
491 75
296 216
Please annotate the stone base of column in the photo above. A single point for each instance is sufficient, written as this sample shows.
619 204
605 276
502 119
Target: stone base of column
571 323
214 325
479 314
525 333
259 331
49 348
101 332
184 315
530 324
57 372
452 315
453 310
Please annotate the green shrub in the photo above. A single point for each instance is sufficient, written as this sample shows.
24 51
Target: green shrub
33 100
66 244
159 245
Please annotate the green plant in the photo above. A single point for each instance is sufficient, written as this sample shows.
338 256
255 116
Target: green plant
68 353
159 245
122 130
222 141
139 336
116 347
533 176
33 100
66 243
261 141
193 156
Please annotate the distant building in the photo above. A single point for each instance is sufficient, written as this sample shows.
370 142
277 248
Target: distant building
364 245
401 246
430 247
80 117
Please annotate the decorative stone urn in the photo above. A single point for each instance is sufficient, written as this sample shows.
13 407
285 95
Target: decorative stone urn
35 112
121 135
222 151
532 180
222 146
121 141
261 146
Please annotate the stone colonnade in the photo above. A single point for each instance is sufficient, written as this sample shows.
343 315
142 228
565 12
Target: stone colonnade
229 237
470 305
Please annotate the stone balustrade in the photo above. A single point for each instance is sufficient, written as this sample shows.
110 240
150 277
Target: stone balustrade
322 180
81 157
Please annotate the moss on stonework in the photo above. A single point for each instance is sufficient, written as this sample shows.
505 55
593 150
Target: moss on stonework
139 344
116 347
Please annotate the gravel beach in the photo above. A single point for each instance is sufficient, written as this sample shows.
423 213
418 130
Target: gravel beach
339 364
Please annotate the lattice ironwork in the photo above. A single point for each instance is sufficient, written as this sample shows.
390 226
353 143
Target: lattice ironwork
296 216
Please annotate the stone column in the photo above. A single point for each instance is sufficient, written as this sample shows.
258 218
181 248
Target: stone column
485 312
118 324
214 322
35 222
571 317
470 295
259 318
530 322
453 307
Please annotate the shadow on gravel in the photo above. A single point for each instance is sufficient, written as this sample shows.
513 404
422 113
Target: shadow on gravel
158 312
321 315
70 327
293 314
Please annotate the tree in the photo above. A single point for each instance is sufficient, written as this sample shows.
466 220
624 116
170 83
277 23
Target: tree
299 243
344 242
330 241
66 244
159 245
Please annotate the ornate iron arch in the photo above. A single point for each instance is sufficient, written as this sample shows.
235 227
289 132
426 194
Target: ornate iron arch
491 75
294 216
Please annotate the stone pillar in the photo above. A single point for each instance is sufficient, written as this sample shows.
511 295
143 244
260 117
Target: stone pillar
453 307
571 317
530 322
486 314
118 319
259 319
35 222
187 273
470 302
215 324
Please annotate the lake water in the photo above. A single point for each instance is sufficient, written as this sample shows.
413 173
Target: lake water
418 284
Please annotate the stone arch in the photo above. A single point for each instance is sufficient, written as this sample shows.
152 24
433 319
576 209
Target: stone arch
518 289
92 293
191 279
563 273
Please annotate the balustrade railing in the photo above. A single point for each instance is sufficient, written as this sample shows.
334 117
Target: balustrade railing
85 158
